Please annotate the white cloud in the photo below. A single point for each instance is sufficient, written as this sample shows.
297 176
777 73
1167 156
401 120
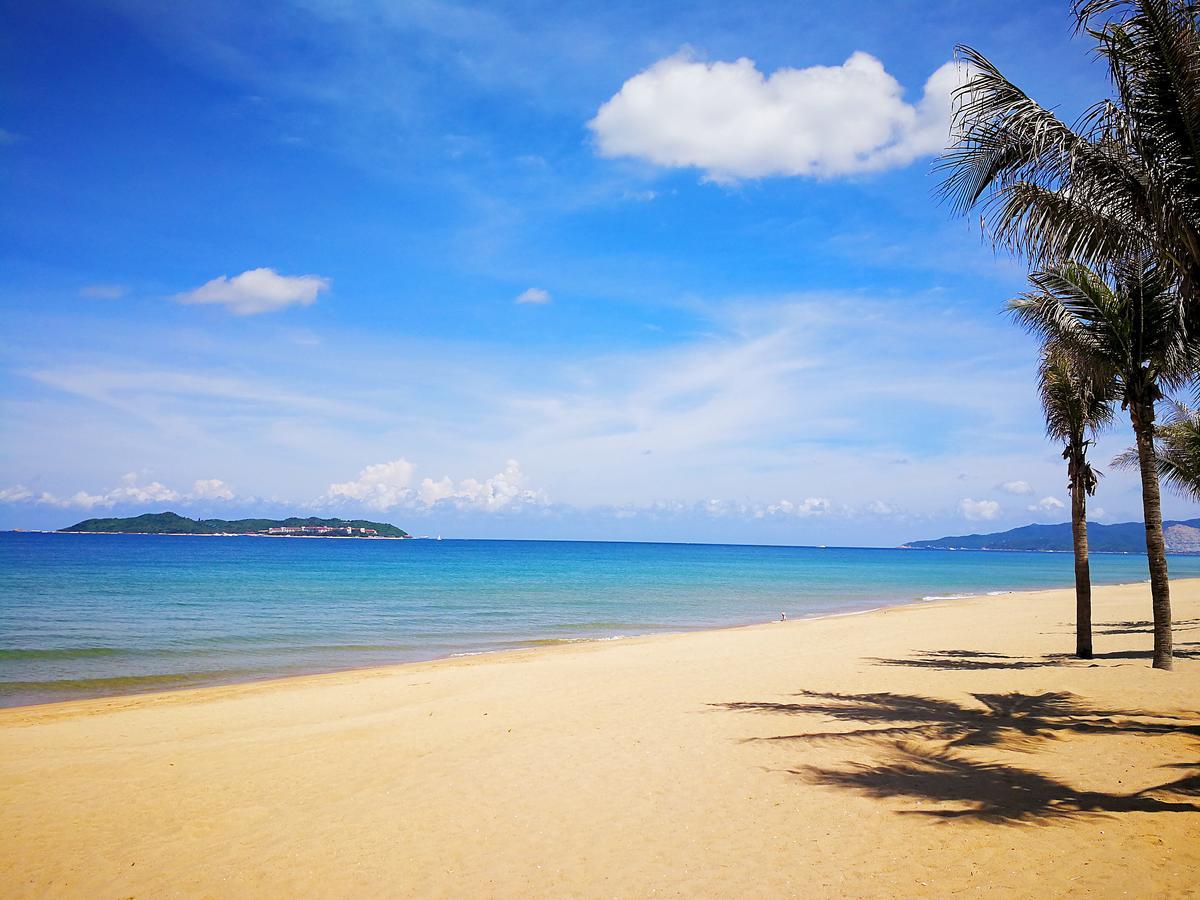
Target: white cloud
810 506
978 510
732 409
732 121
15 494
389 485
381 486
1016 487
1046 504
103 291
502 489
128 492
210 489
879 508
533 295
257 291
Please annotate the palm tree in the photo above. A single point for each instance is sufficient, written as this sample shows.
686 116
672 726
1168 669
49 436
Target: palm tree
1130 333
1176 451
1123 181
1076 406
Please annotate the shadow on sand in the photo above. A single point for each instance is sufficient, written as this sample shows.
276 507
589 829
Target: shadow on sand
920 745
967 660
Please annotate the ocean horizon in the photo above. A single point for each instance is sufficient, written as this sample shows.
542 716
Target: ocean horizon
96 615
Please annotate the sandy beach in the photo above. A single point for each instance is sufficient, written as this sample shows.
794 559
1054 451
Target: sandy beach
930 749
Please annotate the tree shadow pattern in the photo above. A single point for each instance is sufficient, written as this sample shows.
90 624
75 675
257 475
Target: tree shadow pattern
1142 627
989 792
923 741
969 660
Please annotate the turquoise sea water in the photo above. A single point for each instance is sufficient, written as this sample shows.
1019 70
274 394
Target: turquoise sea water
94 615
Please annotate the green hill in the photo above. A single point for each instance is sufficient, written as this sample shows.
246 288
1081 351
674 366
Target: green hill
172 523
1123 537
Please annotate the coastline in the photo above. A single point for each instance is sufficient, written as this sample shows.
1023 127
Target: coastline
534 647
903 749
186 682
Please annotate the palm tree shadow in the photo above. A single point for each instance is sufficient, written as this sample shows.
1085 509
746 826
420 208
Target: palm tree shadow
1177 653
1142 627
974 660
963 660
901 728
1013 721
986 792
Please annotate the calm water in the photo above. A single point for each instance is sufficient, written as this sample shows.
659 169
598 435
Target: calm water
91 615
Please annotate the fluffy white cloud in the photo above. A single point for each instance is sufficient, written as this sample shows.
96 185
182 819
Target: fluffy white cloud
380 486
1046 504
210 489
257 291
501 490
879 508
978 510
128 492
533 295
732 121
1016 487
389 485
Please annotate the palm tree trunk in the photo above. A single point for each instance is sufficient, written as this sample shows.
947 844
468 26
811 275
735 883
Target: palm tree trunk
1083 574
1142 415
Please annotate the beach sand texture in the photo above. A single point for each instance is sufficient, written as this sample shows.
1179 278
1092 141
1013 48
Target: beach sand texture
923 750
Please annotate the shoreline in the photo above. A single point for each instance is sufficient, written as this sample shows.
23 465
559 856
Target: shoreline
540 645
907 749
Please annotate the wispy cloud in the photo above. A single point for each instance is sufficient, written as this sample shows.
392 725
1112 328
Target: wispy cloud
796 412
1019 488
164 396
533 295
103 291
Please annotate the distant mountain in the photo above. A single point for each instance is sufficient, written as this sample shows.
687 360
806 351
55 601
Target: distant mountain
1125 537
171 523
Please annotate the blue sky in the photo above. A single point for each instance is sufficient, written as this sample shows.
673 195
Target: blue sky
532 270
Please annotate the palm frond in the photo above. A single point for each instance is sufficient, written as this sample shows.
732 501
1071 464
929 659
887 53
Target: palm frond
1123 180
1176 451
1131 331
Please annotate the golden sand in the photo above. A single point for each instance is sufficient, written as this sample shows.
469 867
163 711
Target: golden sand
925 750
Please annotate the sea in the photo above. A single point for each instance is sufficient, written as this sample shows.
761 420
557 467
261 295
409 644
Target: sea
90 615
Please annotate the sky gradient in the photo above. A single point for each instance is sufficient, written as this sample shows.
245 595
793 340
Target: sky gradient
532 270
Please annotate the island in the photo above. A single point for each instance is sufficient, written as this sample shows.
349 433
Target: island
1123 537
172 523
